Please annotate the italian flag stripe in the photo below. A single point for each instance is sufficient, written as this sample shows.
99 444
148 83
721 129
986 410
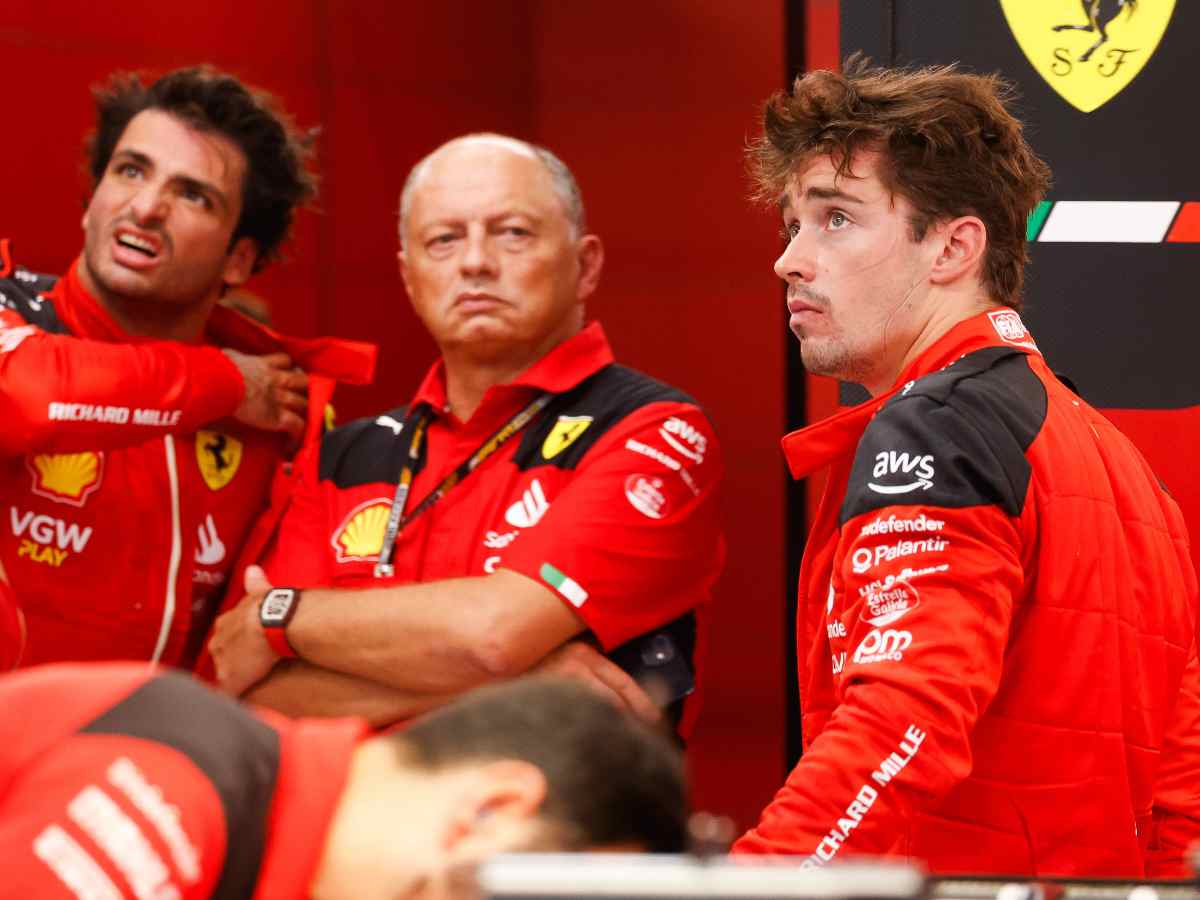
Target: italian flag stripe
1114 222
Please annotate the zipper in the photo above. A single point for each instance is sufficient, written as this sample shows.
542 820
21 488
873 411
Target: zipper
164 632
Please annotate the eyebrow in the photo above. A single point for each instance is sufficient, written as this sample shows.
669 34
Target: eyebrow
187 181
821 193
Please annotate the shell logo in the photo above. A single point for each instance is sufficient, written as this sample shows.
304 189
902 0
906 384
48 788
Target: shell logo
66 477
360 536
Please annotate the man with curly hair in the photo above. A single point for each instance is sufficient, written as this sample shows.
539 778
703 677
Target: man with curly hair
997 604
143 423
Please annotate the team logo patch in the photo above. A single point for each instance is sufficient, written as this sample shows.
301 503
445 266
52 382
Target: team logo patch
66 477
360 536
218 456
565 432
1088 50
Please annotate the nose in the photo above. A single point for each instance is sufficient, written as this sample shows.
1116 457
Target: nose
797 262
149 204
478 258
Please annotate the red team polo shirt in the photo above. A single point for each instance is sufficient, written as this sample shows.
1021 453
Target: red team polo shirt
608 497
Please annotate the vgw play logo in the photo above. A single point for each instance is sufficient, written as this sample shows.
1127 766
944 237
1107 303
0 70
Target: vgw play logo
1088 50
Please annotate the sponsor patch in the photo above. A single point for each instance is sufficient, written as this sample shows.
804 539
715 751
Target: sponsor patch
565 432
11 338
528 511
218 456
667 460
915 472
898 525
360 536
685 438
839 662
865 558
66 477
889 602
645 494
882 646
498 540
210 549
46 539
571 589
1010 328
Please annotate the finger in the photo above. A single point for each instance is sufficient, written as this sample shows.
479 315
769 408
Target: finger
630 692
294 400
277 360
256 581
293 379
290 423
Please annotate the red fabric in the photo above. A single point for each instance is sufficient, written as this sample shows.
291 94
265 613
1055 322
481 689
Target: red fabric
1022 726
46 770
115 539
639 572
12 628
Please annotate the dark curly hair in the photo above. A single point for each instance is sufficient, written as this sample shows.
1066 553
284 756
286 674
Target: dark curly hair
277 179
950 147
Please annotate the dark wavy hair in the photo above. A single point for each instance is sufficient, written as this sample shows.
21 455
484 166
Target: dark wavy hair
950 146
277 177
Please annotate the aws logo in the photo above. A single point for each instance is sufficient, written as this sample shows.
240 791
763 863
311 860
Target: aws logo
1088 50
66 477
360 536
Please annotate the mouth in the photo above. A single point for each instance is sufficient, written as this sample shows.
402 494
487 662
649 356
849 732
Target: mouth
477 301
136 249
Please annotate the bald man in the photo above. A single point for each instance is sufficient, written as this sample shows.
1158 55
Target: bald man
533 504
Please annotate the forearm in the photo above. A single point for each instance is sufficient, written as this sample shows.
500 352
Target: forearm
298 689
435 638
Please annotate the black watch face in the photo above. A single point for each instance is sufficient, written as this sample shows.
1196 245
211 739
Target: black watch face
276 606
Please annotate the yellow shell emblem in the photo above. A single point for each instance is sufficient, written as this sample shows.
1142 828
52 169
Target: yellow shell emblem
360 536
1088 51
218 456
564 433
66 477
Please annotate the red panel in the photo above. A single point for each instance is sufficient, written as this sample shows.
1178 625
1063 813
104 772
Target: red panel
1187 225
651 107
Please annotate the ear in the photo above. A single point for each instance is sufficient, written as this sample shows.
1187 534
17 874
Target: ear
496 810
962 244
591 261
402 261
239 263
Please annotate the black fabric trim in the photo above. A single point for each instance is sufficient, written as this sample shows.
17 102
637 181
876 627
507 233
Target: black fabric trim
608 396
673 672
238 753
21 292
955 438
364 452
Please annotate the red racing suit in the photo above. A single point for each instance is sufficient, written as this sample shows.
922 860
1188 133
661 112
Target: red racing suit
608 497
996 608
127 493
135 784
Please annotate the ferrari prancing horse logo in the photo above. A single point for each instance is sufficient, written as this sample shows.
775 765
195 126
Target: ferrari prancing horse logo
1088 50
564 433
218 456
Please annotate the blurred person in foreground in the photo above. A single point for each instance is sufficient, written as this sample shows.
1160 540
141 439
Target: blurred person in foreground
143 423
997 603
533 492
120 782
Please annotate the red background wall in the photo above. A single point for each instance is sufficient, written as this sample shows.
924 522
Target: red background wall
649 103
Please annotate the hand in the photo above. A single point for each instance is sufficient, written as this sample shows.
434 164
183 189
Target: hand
241 655
276 395
581 661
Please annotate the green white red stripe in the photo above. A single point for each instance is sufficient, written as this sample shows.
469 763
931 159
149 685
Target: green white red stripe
1115 222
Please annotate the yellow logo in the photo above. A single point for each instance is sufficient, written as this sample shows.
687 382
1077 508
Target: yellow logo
66 477
360 536
1088 50
564 433
218 456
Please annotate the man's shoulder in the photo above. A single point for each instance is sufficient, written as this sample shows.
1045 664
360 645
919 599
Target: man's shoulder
363 450
587 412
23 292
957 437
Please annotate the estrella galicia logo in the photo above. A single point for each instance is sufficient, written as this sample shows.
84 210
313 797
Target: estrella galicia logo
1088 51
913 472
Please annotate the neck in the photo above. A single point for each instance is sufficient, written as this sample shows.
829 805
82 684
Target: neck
470 373
948 312
151 318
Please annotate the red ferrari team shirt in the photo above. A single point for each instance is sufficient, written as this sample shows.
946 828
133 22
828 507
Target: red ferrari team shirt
607 497
136 784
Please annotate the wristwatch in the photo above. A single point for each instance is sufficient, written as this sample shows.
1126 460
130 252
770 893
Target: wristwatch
274 613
